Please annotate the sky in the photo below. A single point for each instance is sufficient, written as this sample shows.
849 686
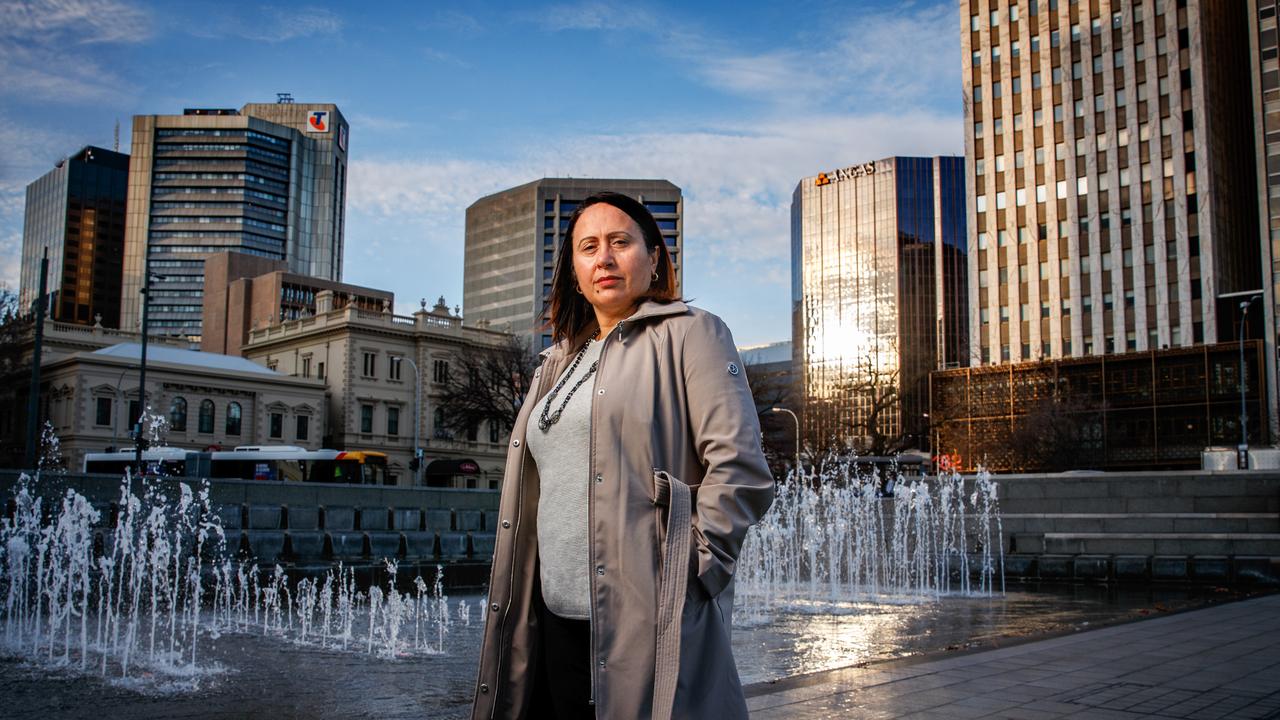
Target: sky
735 102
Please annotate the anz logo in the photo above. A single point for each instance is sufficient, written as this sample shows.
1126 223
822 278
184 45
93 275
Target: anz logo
318 121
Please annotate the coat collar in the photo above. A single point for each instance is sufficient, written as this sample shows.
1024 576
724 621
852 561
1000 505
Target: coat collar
648 309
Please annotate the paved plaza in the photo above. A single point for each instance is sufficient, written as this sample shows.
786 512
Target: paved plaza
1218 662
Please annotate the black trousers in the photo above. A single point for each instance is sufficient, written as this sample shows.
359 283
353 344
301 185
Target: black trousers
564 666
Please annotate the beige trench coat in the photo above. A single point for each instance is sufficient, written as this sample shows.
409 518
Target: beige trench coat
671 408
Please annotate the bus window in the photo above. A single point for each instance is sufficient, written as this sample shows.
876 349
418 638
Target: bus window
290 471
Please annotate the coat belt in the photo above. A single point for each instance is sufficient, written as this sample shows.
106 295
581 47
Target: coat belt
676 496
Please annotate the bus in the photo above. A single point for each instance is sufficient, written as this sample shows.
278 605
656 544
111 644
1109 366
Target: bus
282 463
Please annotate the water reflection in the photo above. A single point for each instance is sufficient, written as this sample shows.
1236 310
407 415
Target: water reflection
806 639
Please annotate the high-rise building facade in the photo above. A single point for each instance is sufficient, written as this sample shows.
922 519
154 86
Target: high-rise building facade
266 180
1265 66
1110 181
77 212
880 294
512 238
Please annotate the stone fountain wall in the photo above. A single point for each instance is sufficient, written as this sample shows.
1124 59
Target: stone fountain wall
1218 528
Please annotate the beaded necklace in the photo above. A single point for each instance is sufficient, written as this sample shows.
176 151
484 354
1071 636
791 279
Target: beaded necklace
546 420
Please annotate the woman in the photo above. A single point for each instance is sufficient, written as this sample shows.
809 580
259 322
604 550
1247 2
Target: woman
633 472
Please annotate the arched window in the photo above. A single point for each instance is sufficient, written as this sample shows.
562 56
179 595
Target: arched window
178 414
233 418
206 416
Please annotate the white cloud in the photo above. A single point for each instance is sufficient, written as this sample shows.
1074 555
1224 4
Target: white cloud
594 16
50 22
273 24
43 53
377 123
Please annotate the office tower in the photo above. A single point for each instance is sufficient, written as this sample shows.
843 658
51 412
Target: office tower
1111 184
77 212
879 292
1265 67
512 238
266 180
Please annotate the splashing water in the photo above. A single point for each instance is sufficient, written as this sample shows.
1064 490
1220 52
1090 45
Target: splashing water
51 458
144 598
841 535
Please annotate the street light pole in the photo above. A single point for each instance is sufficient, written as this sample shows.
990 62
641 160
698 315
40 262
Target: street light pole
417 415
797 422
1242 452
142 365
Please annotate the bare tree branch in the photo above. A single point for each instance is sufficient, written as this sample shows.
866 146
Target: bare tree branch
487 385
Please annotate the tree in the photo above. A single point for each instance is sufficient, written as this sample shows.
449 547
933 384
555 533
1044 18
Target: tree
1051 436
487 385
876 391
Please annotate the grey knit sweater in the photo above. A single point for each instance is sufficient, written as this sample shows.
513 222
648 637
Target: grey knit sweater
563 457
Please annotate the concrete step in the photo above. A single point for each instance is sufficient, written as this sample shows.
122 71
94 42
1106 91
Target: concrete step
1029 523
1141 492
1237 570
1265 544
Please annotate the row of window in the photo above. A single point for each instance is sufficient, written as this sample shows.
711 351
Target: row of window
1109 343
439 368
1033 9
441 430
568 206
230 132
162 190
105 408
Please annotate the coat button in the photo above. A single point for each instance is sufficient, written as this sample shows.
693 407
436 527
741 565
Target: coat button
599 569
600 391
601 664
506 524
484 689
494 607
515 443
599 478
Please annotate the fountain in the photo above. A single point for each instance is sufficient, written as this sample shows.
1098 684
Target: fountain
143 599
841 534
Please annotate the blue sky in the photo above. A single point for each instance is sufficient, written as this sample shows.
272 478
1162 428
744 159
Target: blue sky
734 102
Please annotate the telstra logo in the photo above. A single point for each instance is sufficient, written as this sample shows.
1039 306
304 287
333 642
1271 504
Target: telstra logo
318 121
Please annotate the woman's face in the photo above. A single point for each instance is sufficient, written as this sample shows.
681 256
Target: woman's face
610 261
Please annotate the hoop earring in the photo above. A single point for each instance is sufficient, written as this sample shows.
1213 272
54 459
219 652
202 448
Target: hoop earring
655 276
577 289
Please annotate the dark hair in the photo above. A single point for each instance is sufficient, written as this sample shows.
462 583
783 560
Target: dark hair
570 310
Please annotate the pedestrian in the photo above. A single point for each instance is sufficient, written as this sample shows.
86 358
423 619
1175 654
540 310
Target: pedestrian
633 472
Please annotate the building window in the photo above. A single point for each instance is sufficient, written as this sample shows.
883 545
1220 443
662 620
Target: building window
178 414
393 421
306 367
135 411
303 427
320 370
393 366
233 418
370 364
102 414
440 430
276 430
440 371
493 431
366 419
206 416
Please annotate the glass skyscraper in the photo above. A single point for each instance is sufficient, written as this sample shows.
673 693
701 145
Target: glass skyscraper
880 293
77 212
268 180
